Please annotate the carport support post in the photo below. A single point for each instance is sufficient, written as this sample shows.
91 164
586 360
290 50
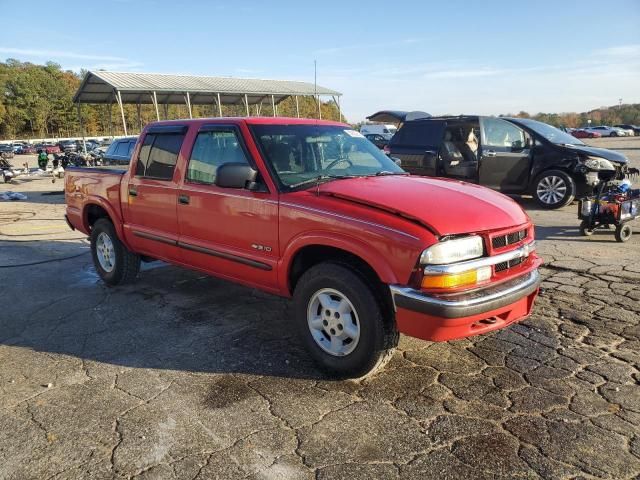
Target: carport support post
337 102
319 108
187 99
110 119
154 99
246 103
219 105
273 105
139 116
297 107
124 122
84 145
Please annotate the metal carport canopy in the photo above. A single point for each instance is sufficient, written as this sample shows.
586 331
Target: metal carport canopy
103 87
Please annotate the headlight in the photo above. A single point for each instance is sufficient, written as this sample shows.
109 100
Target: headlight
451 251
597 163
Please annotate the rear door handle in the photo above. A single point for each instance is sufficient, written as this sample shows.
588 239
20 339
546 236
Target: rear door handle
490 153
184 199
133 192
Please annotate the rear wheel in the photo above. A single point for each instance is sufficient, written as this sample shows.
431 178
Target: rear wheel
341 322
114 263
623 232
613 134
554 189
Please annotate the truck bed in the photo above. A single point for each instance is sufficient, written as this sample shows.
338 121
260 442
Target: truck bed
91 183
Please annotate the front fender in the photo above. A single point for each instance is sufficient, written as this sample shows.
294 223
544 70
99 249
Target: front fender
347 243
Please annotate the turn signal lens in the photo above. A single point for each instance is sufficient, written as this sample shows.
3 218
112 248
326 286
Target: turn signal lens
453 280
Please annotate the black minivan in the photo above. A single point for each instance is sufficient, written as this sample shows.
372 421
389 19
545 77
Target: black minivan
512 155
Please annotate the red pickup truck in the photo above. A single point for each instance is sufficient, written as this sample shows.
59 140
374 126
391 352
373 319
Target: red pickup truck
312 210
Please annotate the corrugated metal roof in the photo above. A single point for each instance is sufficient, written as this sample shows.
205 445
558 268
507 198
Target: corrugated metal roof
100 87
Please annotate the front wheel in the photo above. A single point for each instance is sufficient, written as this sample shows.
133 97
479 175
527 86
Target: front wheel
341 321
554 189
623 232
114 263
585 228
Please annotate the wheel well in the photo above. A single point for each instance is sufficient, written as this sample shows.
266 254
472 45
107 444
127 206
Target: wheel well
94 213
312 255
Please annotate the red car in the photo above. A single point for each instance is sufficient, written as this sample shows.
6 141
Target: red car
48 147
312 210
579 133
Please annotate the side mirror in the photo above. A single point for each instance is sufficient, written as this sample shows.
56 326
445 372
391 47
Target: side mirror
235 175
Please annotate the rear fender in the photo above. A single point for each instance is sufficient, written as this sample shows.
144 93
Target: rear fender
113 214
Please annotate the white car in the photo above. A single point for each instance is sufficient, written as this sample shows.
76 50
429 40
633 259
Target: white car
626 128
606 131
387 131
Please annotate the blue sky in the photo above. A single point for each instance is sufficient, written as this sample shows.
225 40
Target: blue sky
454 57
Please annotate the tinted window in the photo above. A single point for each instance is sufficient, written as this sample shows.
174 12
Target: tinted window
130 150
158 155
419 134
121 149
112 148
210 150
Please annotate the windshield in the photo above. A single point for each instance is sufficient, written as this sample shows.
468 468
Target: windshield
301 154
552 134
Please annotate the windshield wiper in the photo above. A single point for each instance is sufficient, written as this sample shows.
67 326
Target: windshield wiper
320 179
387 172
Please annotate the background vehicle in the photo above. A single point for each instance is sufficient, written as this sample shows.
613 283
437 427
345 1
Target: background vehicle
512 155
310 209
67 146
386 131
605 131
632 130
49 148
582 133
6 151
378 140
119 152
28 150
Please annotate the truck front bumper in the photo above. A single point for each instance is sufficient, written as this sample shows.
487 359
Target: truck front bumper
459 315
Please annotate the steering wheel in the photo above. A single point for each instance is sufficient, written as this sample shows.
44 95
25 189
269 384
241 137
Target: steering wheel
337 161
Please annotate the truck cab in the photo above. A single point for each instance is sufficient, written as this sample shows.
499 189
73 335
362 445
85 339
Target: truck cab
313 211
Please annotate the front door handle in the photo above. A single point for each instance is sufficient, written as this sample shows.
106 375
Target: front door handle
184 199
133 192
490 153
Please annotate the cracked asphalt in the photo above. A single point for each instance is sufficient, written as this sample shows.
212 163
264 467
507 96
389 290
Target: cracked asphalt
183 376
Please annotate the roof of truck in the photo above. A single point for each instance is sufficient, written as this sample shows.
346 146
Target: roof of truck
252 121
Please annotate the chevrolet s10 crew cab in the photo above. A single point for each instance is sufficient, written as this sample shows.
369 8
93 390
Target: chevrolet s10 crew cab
312 210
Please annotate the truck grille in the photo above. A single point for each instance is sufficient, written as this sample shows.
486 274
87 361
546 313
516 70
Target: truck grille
510 264
502 241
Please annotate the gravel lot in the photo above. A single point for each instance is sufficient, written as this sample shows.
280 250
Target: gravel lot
186 376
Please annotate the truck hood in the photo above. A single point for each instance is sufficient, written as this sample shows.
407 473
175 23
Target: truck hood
605 153
444 206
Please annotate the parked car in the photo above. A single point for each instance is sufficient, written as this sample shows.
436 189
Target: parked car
27 149
387 131
512 155
6 151
68 146
632 130
49 148
606 131
378 140
119 152
582 133
310 209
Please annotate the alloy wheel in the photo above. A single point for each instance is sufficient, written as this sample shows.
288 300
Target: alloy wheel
551 189
105 252
333 322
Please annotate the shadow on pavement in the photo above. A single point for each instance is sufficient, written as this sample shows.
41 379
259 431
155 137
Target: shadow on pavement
171 318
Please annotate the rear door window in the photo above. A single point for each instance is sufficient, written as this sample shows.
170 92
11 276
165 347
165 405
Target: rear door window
158 155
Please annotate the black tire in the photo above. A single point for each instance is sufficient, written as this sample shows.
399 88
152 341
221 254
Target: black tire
378 335
126 264
584 230
543 184
613 134
623 232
